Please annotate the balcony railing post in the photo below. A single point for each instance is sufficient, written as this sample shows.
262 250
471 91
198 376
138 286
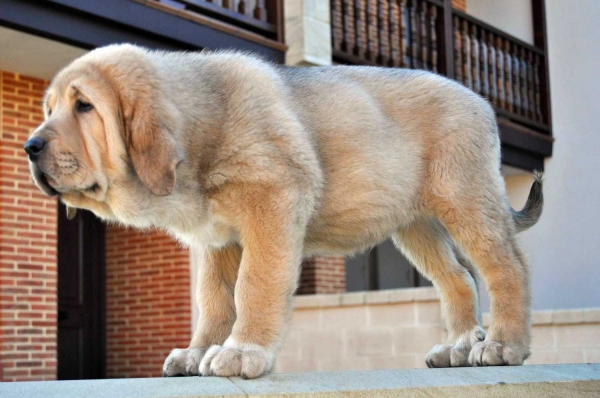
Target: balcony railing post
446 41
538 8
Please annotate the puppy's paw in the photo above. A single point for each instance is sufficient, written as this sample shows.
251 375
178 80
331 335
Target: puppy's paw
455 355
248 362
183 362
494 353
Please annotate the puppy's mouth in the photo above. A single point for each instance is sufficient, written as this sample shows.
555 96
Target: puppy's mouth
42 182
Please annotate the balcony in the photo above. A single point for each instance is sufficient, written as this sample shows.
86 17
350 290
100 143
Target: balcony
429 34
245 25
260 20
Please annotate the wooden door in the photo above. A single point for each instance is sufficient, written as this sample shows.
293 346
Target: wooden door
81 295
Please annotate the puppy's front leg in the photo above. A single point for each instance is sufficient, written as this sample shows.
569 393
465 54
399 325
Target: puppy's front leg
217 272
272 233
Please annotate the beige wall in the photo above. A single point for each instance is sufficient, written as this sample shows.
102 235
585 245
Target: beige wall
563 247
512 16
396 329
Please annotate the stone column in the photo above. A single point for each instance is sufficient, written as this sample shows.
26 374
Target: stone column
307 32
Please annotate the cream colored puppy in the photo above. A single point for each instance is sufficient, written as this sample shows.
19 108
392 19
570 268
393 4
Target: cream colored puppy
258 166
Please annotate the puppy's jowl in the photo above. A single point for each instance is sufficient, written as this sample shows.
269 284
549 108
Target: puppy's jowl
257 166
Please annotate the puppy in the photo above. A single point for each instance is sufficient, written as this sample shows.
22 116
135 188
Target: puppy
258 166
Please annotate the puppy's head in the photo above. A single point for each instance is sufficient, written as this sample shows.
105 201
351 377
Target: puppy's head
106 125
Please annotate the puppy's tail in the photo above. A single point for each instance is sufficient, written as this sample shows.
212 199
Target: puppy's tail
531 212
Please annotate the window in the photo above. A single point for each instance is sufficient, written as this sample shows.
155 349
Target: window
383 267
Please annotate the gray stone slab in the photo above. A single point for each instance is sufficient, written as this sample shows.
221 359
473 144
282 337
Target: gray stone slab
168 387
572 381
582 380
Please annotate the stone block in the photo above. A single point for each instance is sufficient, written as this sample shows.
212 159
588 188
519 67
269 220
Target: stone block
591 315
584 336
354 298
429 313
369 342
560 317
542 337
344 318
416 340
392 315
426 294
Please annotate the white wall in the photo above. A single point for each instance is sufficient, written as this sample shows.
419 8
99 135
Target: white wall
564 248
512 16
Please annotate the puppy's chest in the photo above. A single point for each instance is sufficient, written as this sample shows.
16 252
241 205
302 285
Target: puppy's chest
203 231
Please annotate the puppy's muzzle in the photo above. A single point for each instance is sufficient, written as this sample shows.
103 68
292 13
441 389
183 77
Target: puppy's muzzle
34 148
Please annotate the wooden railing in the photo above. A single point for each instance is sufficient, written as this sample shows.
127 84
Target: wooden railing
402 33
498 66
429 34
263 17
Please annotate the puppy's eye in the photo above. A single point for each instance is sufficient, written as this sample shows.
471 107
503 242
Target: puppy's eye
49 112
83 107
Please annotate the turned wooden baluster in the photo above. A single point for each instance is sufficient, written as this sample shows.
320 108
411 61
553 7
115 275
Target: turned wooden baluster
403 32
244 7
384 32
434 44
531 85
524 91
371 30
394 24
458 61
483 68
493 78
500 73
475 60
349 40
466 49
516 70
361 28
508 77
414 44
337 32
260 11
423 37
538 95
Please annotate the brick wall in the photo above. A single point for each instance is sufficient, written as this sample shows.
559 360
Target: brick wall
27 242
322 275
148 301
460 5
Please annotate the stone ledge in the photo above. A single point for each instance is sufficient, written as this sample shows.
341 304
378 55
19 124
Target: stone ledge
559 317
424 294
392 296
582 380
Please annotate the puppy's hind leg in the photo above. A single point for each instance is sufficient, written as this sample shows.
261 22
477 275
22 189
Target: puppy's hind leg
428 246
485 231
217 272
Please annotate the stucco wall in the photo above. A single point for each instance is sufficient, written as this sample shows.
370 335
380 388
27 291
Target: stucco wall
563 247
512 16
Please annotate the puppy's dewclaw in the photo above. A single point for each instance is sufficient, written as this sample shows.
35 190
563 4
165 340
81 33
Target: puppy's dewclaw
257 166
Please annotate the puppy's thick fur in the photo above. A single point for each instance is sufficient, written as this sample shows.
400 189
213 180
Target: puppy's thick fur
257 166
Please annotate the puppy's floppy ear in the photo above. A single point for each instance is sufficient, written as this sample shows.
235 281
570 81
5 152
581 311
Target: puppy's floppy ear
149 127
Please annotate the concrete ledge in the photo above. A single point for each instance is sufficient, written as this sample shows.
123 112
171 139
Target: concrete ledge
581 380
392 296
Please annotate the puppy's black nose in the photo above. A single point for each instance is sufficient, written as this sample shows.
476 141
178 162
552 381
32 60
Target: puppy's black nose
34 147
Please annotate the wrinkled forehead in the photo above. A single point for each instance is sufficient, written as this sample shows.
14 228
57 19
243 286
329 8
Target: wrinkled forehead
73 82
